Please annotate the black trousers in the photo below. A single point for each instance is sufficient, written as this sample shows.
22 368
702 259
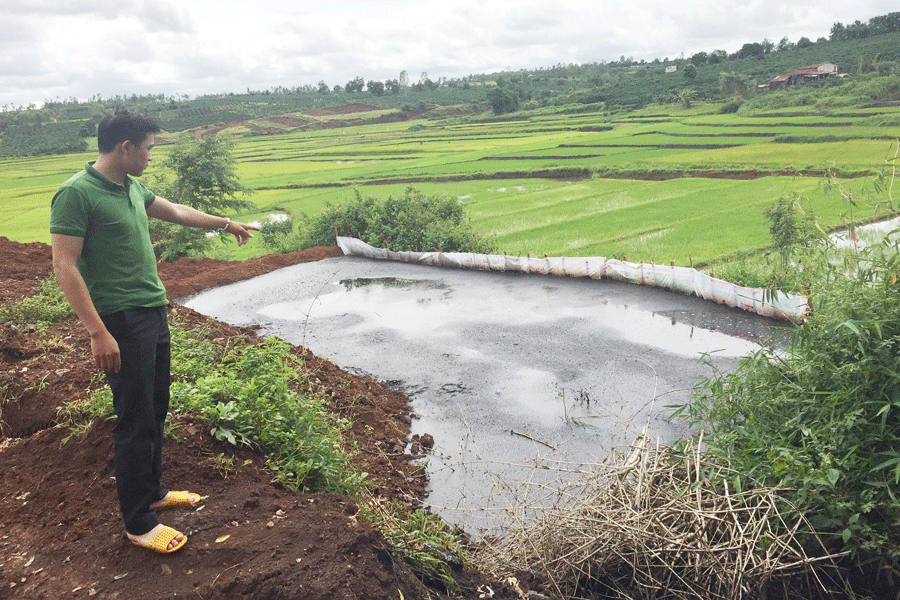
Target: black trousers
141 401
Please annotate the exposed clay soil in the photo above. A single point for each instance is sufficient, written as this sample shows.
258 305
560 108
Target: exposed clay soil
343 109
290 121
60 531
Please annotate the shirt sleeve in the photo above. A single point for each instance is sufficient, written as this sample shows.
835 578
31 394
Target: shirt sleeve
145 192
69 212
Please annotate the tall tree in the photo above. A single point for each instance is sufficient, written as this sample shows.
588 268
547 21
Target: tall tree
355 85
735 84
751 49
205 176
717 56
838 32
503 100
205 179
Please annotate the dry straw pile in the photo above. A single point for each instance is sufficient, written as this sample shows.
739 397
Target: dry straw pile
650 523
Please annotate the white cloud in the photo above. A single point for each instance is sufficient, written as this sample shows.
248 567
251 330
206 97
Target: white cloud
64 48
159 16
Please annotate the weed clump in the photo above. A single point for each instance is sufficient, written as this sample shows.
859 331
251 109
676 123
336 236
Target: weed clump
250 400
48 305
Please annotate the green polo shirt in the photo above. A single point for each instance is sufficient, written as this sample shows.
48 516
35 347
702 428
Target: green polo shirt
117 260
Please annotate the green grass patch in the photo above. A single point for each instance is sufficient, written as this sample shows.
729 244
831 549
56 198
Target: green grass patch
47 305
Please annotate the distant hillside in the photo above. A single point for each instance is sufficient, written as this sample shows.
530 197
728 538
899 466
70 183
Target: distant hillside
860 50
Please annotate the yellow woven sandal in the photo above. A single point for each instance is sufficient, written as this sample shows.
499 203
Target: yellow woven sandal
176 500
159 542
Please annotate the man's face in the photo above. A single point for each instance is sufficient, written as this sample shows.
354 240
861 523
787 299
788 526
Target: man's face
138 156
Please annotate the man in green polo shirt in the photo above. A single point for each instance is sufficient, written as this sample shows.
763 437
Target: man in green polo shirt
105 265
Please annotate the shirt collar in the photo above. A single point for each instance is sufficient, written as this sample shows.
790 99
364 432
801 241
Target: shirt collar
103 179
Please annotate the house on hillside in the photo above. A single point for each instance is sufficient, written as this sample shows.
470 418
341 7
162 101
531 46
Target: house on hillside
801 76
671 68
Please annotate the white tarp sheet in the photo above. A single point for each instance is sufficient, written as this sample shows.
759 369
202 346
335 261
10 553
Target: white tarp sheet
679 279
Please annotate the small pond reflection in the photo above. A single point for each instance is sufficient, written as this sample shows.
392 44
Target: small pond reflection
391 282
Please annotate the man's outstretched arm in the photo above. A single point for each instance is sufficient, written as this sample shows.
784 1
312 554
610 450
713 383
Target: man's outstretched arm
191 217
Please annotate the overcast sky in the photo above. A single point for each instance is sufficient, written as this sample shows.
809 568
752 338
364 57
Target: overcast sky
76 49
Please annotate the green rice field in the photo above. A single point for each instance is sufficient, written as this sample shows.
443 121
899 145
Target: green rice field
659 185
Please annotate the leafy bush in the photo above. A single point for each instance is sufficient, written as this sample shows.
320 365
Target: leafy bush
736 84
271 230
412 221
731 106
171 241
823 418
279 237
349 218
880 89
250 400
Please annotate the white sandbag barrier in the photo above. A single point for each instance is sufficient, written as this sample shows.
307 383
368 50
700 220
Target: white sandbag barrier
679 279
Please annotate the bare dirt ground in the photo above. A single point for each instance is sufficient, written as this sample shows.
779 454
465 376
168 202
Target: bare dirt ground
61 535
343 109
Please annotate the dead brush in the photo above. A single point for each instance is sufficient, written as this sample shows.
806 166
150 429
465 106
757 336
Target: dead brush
653 523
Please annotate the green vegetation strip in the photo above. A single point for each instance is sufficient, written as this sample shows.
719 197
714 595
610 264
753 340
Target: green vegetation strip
823 418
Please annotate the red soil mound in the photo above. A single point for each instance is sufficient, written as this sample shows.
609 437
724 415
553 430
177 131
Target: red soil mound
60 531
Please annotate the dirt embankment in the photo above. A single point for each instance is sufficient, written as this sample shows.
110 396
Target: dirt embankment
60 531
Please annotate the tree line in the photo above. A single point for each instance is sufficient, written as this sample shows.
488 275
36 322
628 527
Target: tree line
857 30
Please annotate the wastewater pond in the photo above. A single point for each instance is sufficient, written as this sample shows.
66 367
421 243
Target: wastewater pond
523 380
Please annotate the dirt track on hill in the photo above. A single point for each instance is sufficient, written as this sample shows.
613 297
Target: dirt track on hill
60 531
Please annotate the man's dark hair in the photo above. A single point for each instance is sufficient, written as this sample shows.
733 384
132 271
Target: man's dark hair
124 125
